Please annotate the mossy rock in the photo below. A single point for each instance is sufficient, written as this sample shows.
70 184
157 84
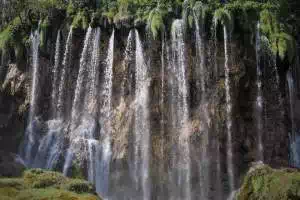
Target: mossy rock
37 184
265 183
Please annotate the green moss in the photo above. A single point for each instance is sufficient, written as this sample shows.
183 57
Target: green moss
265 183
43 194
11 182
38 184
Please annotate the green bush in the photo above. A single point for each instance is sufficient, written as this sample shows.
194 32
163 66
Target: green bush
38 178
81 20
38 184
79 186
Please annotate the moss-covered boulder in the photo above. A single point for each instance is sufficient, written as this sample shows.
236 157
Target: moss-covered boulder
37 184
264 183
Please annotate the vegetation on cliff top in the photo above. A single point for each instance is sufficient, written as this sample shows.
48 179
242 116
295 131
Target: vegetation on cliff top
37 184
265 183
279 20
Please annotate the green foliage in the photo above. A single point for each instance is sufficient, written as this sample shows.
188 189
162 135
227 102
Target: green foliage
281 41
38 178
79 186
195 12
44 26
38 184
156 19
224 17
277 22
11 182
265 183
81 20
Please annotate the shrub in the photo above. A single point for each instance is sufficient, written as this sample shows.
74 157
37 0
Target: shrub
79 186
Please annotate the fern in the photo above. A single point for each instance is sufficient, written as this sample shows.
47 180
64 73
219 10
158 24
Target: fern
81 20
224 17
282 43
285 46
155 22
156 19
200 11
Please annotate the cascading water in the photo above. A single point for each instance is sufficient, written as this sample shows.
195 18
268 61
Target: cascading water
92 99
106 117
294 139
259 97
55 73
229 154
142 122
30 136
181 173
83 124
79 96
126 85
35 39
63 75
205 118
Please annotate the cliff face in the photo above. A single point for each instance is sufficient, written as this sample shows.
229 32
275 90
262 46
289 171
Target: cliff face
207 118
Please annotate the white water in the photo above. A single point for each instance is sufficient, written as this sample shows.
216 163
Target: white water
142 121
30 136
50 146
55 73
259 97
92 97
83 124
230 169
126 85
205 118
63 76
35 43
181 172
106 114
294 138
77 104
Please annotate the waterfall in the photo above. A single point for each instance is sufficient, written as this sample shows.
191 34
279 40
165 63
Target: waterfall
126 85
55 73
204 127
180 175
78 97
35 39
92 97
259 97
64 74
293 136
216 68
230 169
294 155
106 113
30 137
83 123
142 122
